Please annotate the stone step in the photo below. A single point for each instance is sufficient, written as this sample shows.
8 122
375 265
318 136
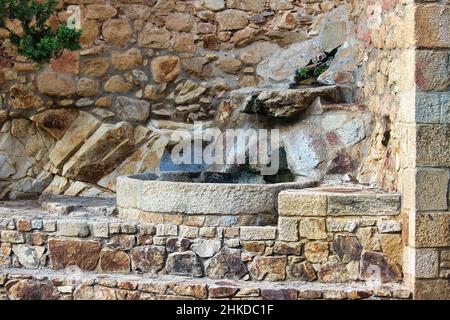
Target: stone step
338 201
57 206
65 205
19 284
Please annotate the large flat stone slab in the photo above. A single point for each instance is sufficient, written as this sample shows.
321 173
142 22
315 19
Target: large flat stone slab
64 205
282 102
338 201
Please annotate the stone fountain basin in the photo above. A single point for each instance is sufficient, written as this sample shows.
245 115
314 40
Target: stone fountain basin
193 193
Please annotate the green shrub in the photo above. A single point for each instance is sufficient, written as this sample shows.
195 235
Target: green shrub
319 70
302 73
39 41
310 72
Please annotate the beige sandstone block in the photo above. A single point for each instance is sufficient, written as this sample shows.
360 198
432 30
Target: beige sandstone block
432 229
431 189
301 203
313 228
258 233
287 229
432 21
173 219
392 247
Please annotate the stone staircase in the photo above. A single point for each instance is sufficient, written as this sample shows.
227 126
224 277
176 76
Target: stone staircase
78 248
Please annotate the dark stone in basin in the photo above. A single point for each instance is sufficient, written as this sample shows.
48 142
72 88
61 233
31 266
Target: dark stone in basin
217 177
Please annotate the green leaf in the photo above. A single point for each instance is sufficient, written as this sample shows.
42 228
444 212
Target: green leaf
39 42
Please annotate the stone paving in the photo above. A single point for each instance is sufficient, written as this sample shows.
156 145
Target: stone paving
50 284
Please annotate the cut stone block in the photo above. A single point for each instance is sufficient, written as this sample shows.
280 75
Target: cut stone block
433 145
432 289
258 233
339 201
432 230
313 228
432 189
73 228
431 21
287 229
302 203
377 204
427 263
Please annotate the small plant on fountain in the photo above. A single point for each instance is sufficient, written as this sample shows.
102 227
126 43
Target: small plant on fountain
31 32
309 74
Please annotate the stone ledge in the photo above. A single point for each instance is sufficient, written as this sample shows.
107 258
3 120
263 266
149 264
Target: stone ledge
338 201
283 102
59 204
56 211
17 284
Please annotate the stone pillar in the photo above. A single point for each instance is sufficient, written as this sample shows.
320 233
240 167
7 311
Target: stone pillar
425 164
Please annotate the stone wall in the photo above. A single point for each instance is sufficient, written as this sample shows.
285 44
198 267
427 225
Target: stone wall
405 74
322 235
72 126
329 235
385 50
427 205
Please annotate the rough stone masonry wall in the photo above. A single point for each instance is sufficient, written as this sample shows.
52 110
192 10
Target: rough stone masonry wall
74 125
329 237
384 54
